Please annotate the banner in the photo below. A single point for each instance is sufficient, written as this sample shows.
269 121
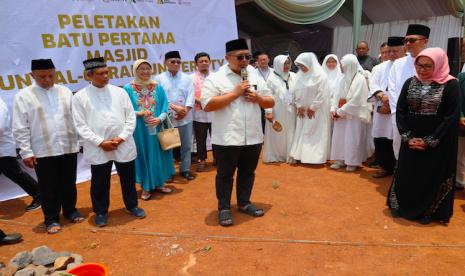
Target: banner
121 31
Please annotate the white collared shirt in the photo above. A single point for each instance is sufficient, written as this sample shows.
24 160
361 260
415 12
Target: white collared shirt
382 125
42 122
402 69
102 114
264 74
7 141
179 91
239 123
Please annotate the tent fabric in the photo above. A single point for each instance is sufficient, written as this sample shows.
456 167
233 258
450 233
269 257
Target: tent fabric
301 11
442 27
456 7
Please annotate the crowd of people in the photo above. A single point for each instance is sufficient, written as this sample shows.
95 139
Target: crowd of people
404 107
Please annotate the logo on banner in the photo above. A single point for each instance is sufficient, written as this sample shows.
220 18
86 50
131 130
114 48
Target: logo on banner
162 2
125 1
184 2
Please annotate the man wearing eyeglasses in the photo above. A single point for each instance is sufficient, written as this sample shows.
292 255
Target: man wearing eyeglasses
235 95
382 124
179 89
415 41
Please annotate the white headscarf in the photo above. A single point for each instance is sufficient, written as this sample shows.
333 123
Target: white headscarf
334 74
315 73
354 89
278 66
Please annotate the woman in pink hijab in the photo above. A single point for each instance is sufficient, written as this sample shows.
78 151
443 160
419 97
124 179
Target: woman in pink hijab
428 112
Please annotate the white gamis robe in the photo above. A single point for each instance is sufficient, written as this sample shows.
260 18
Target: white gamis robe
278 144
350 131
312 136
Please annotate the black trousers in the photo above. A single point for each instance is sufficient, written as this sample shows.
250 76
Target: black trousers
100 185
228 159
10 168
263 119
201 132
57 183
385 154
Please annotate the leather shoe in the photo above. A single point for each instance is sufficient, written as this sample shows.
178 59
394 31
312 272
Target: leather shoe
11 239
187 175
35 204
381 174
101 220
137 212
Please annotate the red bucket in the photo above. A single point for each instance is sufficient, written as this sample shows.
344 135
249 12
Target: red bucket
89 269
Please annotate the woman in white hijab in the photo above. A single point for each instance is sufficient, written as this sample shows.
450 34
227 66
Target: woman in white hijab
332 69
312 135
281 83
351 114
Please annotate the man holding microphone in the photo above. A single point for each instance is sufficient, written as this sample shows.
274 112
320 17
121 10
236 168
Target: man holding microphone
235 95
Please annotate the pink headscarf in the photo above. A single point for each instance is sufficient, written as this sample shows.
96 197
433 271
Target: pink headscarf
441 65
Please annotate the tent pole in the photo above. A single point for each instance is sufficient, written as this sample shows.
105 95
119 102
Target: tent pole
357 22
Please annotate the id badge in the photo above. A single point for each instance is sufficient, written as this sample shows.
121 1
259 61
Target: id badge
288 97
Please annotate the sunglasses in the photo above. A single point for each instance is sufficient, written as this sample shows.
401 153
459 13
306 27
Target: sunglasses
411 40
242 57
175 62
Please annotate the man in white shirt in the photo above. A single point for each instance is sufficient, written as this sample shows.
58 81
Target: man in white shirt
415 41
180 92
264 71
202 119
234 95
105 120
48 142
263 68
382 125
9 165
384 52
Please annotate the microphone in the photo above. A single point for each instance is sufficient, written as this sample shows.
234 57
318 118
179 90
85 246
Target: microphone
244 74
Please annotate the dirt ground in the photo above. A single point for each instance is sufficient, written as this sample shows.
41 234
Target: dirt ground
317 222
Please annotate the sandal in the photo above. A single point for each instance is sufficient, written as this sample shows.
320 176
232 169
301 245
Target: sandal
163 190
252 210
225 218
53 228
145 195
76 217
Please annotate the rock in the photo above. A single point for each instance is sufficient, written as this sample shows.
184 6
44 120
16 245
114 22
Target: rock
8 271
71 265
43 255
77 258
21 260
59 273
63 254
25 272
40 270
62 262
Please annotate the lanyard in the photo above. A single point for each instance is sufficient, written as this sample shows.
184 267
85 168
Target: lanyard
285 81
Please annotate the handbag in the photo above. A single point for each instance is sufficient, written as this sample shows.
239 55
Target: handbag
169 137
